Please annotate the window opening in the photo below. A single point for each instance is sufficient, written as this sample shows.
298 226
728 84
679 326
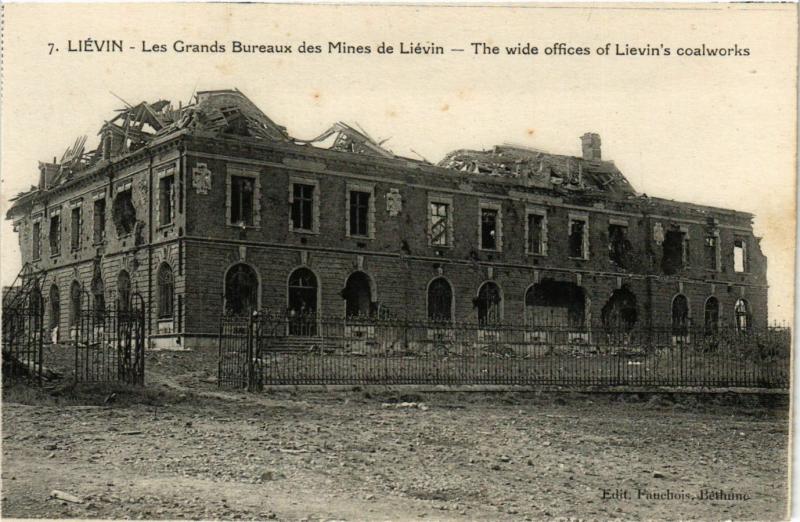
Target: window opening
489 229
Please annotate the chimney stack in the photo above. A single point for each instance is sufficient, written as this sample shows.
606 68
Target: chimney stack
590 143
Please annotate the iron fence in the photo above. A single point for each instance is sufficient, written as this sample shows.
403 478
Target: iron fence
23 338
109 343
272 349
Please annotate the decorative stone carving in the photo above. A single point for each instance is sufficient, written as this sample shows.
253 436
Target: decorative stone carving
658 233
394 202
201 179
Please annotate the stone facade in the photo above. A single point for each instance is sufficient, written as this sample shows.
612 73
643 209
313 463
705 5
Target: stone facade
231 220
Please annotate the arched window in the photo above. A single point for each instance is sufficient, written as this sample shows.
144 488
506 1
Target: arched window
555 303
711 315
620 310
440 300
241 290
488 304
74 303
742 315
55 307
36 307
166 291
123 291
357 295
98 298
680 316
303 290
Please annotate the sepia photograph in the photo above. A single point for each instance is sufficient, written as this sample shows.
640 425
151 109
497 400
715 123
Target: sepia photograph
397 262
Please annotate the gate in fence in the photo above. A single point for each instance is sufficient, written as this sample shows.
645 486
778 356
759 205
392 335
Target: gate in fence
242 341
109 342
23 334
271 349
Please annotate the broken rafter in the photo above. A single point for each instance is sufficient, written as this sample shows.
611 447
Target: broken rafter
350 139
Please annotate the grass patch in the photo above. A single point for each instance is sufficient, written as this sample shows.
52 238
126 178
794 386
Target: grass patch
72 394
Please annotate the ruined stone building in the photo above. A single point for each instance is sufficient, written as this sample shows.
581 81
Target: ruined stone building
213 207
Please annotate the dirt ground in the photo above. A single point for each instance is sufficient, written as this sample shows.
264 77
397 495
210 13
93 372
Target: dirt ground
183 449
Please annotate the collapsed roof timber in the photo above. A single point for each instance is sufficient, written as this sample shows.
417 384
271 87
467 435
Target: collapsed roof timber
230 113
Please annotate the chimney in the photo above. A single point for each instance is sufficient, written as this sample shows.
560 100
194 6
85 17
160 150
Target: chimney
47 174
590 143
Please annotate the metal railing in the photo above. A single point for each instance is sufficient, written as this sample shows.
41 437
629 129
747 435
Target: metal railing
271 349
109 343
23 339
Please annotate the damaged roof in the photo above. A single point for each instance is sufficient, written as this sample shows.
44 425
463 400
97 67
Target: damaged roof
230 113
540 169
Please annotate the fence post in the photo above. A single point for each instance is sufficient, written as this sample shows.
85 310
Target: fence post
75 345
384 346
219 350
39 335
142 342
250 362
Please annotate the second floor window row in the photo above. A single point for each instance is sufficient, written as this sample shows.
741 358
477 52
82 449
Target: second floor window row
360 212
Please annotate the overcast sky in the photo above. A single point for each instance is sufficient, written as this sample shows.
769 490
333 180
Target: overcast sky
715 131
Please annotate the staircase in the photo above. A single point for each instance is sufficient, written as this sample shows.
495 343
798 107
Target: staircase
295 344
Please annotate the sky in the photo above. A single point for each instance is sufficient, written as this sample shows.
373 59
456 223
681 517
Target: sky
710 130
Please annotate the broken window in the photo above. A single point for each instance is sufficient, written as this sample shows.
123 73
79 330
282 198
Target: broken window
555 303
166 291
74 304
302 206
618 245
166 200
75 228
302 302
99 225
440 223
488 304
124 213
710 248
537 239
359 213
241 290
440 300
242 200
123 291
357 295
37 241
742 315
578 238
55 307
620 310
739 255
711 315
675 251
55 234
489 228
680 316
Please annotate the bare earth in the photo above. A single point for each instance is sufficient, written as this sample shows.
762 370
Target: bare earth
185 450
